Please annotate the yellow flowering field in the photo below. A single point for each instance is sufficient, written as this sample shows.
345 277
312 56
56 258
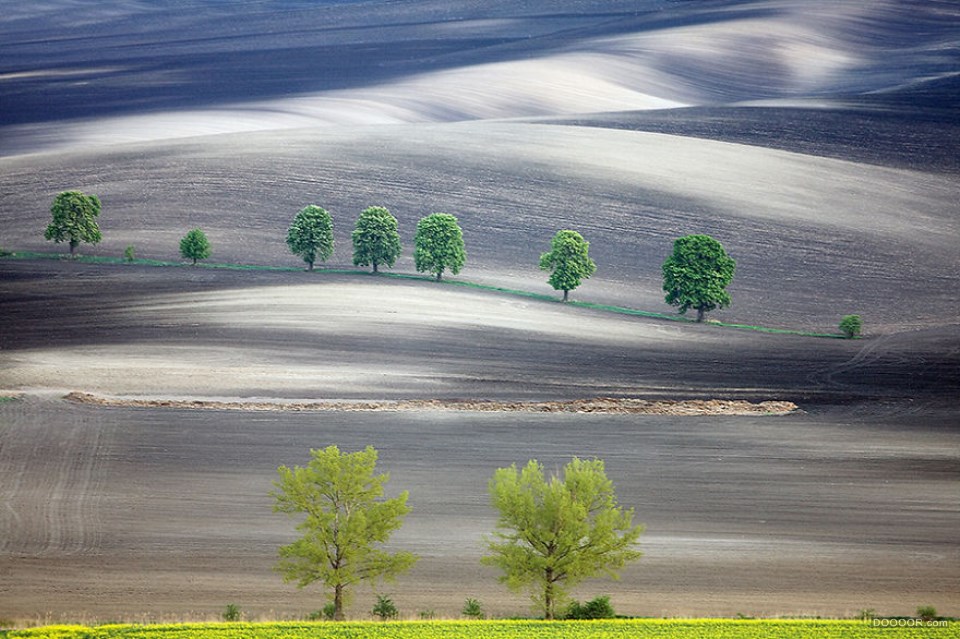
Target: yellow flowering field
603 629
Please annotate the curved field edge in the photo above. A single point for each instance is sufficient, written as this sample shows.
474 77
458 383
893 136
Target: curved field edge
619 310
600 629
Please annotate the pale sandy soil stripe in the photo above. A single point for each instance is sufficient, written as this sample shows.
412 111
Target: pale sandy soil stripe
597 405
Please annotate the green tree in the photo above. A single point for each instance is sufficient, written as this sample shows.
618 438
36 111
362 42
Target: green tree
375 238
851 325
697 273
311 235
74 219
346 521
569 261
439 245
195 246
555 533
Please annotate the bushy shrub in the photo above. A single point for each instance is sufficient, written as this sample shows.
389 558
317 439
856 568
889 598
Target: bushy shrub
128 253
232 613
598 608
927 613
385 609
472 609
324 614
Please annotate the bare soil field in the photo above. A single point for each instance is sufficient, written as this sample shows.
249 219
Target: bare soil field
159 513
816 140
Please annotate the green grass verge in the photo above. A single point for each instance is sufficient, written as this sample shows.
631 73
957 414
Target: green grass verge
601 629
4 399
620 310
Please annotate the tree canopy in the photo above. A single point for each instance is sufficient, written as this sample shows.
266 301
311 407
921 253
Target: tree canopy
195 246
696 275
569 261
376 240
74 219
311 235
553 534
346 519
439 245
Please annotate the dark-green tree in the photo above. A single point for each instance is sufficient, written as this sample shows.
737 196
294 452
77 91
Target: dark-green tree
195 246
74 219
851 325
696 275
439 245
376 240
555 533
346 520
311 235
569 260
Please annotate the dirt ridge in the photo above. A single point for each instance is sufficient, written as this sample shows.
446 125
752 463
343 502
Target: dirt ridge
609 405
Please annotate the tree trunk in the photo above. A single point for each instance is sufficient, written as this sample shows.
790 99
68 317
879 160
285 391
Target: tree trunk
700 313
439 273
310 266
374 267
73 247
548 593
338 603
194 261
565 294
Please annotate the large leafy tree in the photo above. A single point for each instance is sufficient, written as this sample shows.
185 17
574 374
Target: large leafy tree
346 519
74 219
439 245
554 533
195 246
569 261
311 235
376 240
697 273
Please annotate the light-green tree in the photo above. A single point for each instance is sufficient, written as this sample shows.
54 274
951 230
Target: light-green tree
74 219
552 534
439 245
311 235
569 260
697 273
346 520
195 246
376 240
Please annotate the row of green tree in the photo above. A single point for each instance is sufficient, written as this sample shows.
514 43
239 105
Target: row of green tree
695 275
551 534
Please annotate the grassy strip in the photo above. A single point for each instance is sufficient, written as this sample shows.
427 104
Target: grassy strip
4 399
620 310
97 259
601 629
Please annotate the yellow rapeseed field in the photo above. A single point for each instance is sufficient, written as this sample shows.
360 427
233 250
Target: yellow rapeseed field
601 629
